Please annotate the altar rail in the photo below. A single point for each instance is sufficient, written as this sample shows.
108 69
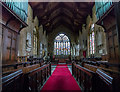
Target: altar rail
30 81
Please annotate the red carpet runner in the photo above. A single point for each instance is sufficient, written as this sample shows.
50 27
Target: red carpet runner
61 80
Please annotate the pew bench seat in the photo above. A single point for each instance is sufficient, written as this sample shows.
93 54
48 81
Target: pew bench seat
24 69
91 67
85 77
28 79
30 68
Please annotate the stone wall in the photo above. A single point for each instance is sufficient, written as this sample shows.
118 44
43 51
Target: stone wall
43 41
84 37
33 24
47 42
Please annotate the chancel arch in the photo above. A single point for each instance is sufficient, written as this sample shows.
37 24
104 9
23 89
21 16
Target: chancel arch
61 29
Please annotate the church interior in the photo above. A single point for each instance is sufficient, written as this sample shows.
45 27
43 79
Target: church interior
59 46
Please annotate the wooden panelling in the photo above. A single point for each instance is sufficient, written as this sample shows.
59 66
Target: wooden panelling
117 53
111 28
110 33
9 45
112 43
112 52
13 43
11 26
115 40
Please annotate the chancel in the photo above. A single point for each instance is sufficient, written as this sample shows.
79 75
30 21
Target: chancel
60 46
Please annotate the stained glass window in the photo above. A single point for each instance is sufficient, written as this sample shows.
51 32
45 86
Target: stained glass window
61 45
68 47
55 48
40 49
64 48
35 41
92 40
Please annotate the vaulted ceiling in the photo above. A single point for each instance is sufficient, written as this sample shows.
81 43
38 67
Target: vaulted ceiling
70 14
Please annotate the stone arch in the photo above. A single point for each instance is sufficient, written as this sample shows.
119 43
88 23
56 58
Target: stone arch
101 31
61 29
99 42
62 33
61 45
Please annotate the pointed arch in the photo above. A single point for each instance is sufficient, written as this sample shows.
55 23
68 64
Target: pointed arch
61 45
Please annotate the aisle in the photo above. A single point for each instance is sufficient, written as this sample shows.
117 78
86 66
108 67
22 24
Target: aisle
61 79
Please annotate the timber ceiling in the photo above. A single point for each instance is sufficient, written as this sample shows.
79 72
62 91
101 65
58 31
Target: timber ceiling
70 14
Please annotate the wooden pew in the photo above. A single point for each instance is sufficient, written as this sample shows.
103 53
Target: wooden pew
34 79
21 59
7 69
91 67
104 64
85 77
30 68
13 82
113 66
116 78
36 61
104 81
112 72
30 79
